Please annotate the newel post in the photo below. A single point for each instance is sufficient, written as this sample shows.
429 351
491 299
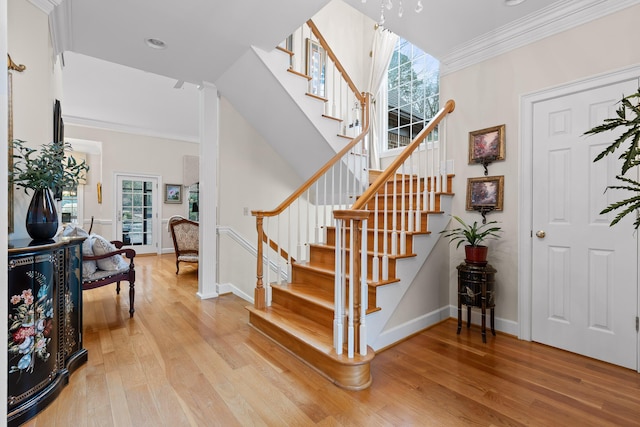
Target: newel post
356 292
259 298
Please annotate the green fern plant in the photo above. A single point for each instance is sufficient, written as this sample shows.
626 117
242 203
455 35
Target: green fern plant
627 118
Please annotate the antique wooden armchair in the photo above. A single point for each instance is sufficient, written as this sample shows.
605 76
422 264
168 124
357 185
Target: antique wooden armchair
102 277
186 237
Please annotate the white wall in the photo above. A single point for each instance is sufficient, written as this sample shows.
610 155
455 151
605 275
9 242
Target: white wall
251 175
350 35
34 90
488 94
135 155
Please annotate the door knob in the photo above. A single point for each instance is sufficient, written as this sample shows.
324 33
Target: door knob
540 234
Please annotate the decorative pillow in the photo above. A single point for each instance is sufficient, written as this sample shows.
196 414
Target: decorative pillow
88 267
101 246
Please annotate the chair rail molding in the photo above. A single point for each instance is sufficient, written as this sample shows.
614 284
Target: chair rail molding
249 247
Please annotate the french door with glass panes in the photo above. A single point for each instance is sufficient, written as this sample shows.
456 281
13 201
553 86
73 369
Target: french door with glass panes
137 212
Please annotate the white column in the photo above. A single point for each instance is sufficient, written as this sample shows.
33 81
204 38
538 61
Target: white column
209 138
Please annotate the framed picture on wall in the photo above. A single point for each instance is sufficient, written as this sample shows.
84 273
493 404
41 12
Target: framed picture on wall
173 193
486 145
486 192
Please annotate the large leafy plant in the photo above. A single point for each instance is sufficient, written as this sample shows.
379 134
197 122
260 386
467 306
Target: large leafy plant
627 118
474 234
47 167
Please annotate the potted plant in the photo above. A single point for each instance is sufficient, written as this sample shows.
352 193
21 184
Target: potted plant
473 235
628 120
41 171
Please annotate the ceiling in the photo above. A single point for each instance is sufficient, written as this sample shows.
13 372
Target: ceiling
204 37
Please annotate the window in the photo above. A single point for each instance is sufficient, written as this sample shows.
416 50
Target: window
137 212
69 205
413 87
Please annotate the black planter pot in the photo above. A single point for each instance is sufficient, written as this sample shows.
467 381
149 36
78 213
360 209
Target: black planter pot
42 218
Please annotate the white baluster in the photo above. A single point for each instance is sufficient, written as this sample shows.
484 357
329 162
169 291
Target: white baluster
353 282
385 236
403 220
337 292
364 291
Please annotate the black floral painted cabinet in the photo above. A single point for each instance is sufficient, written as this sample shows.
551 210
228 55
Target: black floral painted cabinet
45 323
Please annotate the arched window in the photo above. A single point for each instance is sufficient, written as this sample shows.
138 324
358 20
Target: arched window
413 94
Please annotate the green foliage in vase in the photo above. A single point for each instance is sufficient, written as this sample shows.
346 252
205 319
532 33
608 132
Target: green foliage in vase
47 167
474 234
628 119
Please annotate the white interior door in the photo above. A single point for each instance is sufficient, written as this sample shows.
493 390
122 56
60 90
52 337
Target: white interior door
584 272
137 212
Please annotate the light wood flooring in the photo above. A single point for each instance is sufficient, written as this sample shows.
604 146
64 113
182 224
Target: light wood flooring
185 362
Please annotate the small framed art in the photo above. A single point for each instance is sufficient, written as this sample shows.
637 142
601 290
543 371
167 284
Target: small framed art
173 193
486 145
485 193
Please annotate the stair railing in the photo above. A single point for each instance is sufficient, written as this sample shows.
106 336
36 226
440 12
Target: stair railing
303 217
343 101
421 174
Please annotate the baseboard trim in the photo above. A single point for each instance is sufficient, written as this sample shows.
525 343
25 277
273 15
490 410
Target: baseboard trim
229 288
503 325
398 333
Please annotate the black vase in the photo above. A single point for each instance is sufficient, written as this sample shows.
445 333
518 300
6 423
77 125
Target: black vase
42 218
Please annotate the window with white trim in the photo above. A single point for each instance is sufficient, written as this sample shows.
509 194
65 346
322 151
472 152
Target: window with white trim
413 94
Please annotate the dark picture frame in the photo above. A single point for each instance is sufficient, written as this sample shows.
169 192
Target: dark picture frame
485 193
487 145
58 137
58 124
173 193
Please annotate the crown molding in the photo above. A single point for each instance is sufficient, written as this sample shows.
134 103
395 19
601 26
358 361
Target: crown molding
560 16
59 12
60 27
134 130
46 6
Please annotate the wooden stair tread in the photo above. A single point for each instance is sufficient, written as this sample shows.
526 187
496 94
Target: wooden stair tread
299 74
369 252
287 51
318 97
311 333
330 271
337 119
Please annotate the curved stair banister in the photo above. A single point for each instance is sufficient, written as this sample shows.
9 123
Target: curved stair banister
418 188
333 170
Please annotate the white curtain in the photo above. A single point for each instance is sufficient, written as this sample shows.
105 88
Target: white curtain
384 42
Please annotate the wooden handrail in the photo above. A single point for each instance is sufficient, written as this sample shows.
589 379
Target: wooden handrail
334 58
391 169
308 183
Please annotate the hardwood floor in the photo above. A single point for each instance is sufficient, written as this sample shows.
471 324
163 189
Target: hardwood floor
181 361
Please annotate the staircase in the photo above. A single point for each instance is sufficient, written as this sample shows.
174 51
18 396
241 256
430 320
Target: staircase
301 314
324 276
